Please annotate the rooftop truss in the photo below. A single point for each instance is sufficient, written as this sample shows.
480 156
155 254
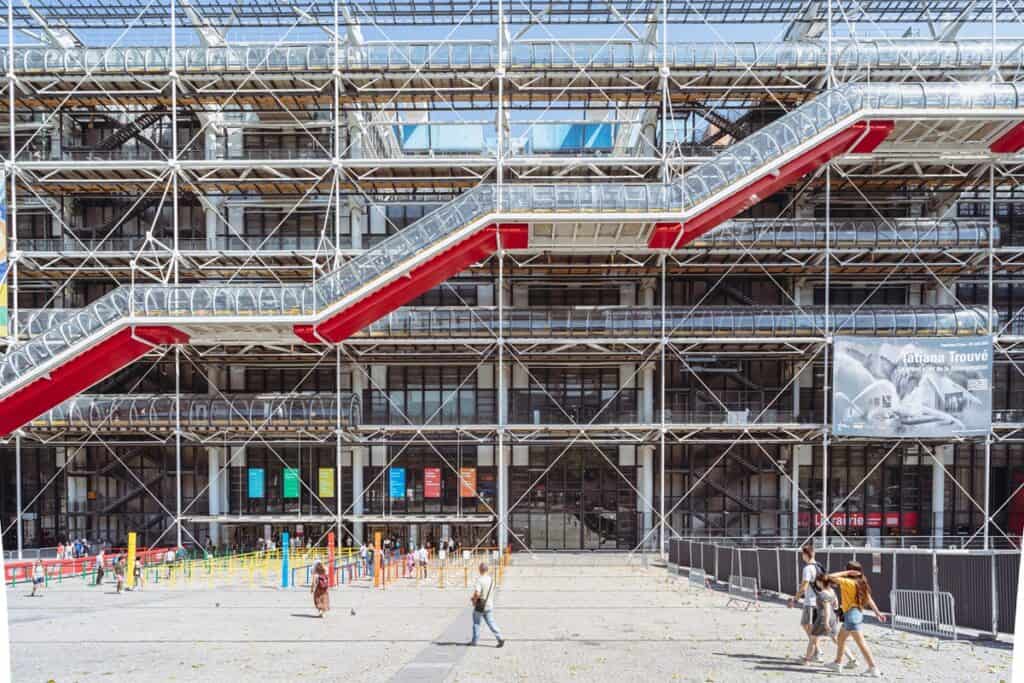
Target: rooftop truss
91 14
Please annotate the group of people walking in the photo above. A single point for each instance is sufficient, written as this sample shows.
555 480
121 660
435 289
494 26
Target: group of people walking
833 606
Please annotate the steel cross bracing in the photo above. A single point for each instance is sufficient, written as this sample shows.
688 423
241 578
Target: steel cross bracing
942 154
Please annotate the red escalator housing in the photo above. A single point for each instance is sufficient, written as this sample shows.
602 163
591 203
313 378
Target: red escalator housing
420 279
83 371
860 138
1010 142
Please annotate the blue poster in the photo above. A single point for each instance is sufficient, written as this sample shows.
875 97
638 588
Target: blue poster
255 482
396 481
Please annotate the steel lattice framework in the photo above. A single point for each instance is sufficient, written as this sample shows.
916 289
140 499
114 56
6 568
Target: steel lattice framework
637 161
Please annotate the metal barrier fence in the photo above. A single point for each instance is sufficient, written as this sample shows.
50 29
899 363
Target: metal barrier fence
982 583
742 589
927 612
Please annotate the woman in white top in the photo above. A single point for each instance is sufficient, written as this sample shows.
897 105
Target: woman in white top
38 577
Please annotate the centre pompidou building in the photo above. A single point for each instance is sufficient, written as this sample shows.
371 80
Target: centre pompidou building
564 275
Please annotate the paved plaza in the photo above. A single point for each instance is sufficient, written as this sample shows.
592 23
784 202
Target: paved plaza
566 618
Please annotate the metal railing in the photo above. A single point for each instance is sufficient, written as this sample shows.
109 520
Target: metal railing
981 583
929 612
622 322
897 234
923 56
709 321
203 412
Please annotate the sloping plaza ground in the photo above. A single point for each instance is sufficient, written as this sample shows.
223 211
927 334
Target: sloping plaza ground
566 618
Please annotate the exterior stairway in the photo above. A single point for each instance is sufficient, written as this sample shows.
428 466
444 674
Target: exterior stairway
84 348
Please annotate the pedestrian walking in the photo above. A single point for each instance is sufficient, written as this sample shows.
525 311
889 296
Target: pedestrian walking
60 550
483 606
854 598
38 578
99 568
826 621
321 589
807 600
423 558
119 573
138 574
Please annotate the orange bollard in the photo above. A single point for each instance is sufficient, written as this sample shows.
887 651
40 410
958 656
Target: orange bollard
378 579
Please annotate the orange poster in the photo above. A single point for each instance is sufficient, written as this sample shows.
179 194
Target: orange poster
467 482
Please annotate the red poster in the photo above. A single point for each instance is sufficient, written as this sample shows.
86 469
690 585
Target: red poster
432 482
467 482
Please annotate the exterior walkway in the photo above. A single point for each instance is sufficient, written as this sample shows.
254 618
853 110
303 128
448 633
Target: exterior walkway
566 617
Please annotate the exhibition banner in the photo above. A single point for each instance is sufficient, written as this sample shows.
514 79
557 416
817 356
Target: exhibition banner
325 482
256 479
291 482
912 388
432 482
396 482
467 482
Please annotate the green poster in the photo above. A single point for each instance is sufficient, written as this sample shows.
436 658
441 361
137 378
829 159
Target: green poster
291 482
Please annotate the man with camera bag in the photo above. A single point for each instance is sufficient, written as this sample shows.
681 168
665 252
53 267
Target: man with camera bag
483 606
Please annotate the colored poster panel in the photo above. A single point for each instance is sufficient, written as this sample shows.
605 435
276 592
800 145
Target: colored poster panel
256 481
3 263
291 482
912 388
396 482
325 482
467 482
432 482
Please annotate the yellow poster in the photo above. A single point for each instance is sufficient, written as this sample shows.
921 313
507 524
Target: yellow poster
325 488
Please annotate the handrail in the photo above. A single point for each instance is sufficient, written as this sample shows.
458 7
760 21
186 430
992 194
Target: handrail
160 411
640 321
922 55
745 232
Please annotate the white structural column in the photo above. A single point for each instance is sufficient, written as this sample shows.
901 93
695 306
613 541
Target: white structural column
358 462
943 458
215 457
357 221
211 212
215 462
803 455
17 494
77 492
646 461
803 295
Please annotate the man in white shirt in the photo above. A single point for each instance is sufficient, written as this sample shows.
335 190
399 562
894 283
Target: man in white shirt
483 606
805 592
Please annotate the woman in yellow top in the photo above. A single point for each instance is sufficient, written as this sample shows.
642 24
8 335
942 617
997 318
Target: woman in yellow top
854 598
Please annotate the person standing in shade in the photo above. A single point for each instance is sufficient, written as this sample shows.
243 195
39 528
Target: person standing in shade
483 606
